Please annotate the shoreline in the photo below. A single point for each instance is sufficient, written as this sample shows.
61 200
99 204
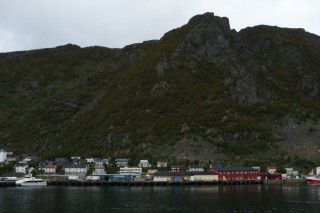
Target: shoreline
165 183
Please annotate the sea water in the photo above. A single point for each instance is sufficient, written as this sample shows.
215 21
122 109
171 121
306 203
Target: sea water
239 198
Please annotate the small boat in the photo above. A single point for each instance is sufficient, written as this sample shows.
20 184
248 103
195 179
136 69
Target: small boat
313 178
28 180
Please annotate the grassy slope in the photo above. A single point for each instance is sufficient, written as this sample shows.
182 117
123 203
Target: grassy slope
81 106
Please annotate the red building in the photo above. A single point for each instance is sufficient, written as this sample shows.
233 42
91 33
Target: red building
236 173
272 173
264 175
274 176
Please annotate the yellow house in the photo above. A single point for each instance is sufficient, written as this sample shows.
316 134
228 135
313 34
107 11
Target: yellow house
152 170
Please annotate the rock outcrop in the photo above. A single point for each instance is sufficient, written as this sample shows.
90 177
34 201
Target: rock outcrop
230 91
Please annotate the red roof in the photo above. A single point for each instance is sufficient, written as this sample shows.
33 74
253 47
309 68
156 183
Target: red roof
50 166
233 169
271 167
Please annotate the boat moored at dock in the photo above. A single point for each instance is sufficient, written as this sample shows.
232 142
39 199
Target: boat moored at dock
314 176
28 180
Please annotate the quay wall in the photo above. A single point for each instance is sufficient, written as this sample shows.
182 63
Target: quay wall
152 183
285 182
7 183
164 183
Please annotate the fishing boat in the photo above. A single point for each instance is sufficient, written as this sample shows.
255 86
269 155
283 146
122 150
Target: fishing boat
314 177
28 180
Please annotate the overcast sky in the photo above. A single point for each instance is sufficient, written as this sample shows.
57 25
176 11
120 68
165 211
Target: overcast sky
34 24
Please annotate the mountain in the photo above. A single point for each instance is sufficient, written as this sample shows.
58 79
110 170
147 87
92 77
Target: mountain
201 92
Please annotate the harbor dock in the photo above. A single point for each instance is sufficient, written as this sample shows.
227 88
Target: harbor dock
152 183
164 183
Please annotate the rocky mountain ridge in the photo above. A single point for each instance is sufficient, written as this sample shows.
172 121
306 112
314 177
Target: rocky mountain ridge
203 91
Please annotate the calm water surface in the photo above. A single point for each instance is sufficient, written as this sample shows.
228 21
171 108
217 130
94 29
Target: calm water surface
254 198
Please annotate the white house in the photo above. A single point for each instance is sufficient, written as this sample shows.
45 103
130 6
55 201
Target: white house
290 173
122 162
144 164
133 171
3 156
98 170
89 159
98 162
21 167
50 169
195 168
272 169
76 170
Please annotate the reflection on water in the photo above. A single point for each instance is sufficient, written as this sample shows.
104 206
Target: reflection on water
244 198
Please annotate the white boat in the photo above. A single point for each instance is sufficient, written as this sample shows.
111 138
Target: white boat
28 180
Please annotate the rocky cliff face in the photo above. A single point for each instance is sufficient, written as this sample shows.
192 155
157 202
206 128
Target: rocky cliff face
221 92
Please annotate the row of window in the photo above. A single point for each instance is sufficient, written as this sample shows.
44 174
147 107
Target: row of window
75 170
237 178
239 172
130 170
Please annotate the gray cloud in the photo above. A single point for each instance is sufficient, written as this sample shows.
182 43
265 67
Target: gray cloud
32 24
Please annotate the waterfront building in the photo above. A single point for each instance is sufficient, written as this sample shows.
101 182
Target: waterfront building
195 168
21 167
152 170
235 173
76 170
133 171
113 177
50 169
99 170
184 176
291 173
271 169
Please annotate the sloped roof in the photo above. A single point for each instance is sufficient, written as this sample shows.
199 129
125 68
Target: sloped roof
75 166
234 169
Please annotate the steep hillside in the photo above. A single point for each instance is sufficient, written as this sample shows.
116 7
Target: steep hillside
203 91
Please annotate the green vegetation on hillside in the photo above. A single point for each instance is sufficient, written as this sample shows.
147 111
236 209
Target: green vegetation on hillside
202 81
